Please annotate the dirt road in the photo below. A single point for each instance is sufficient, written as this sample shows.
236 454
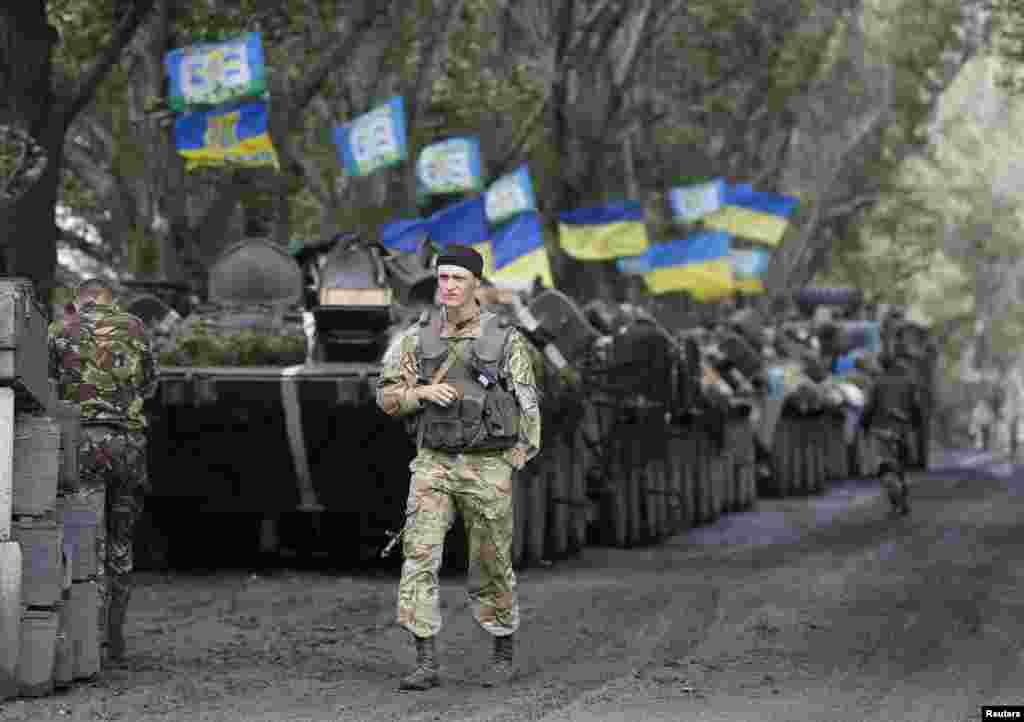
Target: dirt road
819 608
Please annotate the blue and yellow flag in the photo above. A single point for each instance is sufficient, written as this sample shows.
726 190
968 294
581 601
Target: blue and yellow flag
404 236
758 217
235 137
520 255
211 74
463 222
749 269
700 264
374 140
602 233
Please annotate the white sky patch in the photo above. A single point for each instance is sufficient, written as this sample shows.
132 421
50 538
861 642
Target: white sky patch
73 260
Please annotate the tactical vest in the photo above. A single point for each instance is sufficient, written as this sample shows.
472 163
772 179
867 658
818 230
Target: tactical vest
486 415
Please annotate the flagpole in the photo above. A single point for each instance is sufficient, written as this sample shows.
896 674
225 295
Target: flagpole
627 158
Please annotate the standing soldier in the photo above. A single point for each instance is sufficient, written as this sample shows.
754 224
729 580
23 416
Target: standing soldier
465 381
103 362
893 407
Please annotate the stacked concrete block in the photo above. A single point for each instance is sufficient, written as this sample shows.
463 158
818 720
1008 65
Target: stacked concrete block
24 390
50 529
82 514
40 534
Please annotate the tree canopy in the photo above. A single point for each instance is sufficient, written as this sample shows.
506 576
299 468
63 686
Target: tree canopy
604 99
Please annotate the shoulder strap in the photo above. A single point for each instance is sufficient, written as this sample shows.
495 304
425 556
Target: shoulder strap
449 361
493 336
431 344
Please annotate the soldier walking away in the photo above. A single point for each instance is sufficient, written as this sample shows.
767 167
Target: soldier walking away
103 362
892 408
465 381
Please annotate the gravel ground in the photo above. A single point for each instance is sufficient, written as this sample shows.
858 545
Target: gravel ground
820 608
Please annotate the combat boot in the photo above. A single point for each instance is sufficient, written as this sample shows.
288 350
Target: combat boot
115 624
904 497
425 676
502 669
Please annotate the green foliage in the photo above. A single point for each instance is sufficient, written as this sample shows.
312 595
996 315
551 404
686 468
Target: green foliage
1006 335
143 252
1009 42
202 348
84 28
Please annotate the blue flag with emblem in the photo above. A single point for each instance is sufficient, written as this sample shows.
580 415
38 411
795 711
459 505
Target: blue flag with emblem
451 166
211 74
692 203
374 140
237 137
510 195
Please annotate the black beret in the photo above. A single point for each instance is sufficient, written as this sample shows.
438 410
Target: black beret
463 256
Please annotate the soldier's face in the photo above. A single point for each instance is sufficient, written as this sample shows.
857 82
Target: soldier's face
455 286
99 296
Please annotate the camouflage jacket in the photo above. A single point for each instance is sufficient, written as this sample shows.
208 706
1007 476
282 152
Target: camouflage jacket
103 361
401 370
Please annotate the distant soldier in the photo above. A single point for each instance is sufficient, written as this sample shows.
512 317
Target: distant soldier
103 362
466 381
893 406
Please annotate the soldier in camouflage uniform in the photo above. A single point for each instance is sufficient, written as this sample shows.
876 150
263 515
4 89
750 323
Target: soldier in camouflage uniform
103 362
894 405
465 382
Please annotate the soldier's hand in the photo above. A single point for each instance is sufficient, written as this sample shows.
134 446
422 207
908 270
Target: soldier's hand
516 457
440 394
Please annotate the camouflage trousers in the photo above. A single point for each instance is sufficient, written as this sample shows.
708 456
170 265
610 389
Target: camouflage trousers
894 455
480 487
115 460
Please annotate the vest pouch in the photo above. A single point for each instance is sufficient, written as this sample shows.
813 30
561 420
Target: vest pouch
471 414
443 428
501 419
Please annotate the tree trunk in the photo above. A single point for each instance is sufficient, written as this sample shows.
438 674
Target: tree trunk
27 102
162 187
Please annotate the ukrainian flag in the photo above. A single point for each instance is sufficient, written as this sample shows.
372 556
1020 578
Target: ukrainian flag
485 250
700 265
238 136
464 222
604 232
749 269
520 255
759 217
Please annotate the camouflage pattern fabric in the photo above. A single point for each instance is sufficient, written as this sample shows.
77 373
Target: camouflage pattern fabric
480 487
115 460
103 362
892 439
477 485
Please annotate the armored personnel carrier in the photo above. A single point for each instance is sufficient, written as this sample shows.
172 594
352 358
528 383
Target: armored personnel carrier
266 436
263 432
